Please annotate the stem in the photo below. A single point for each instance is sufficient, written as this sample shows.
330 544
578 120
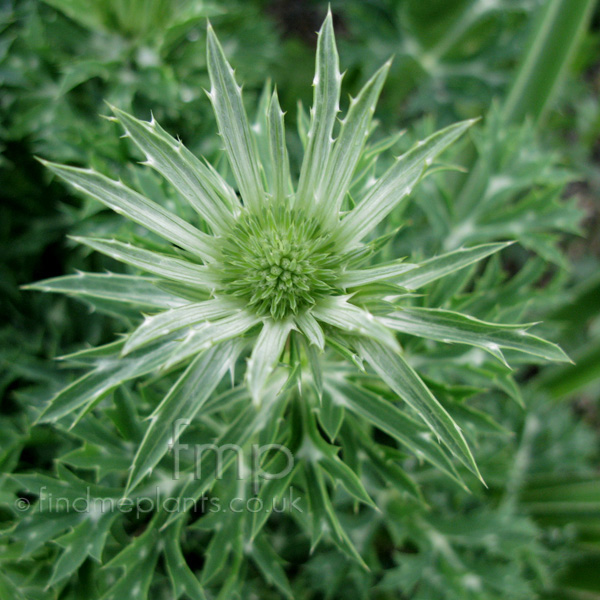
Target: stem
521 464
469 17
556 36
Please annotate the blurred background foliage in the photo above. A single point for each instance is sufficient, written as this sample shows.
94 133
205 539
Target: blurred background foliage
536 531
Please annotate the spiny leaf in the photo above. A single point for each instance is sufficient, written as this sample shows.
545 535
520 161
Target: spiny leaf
310 327
134 206
247 423
97 457
445 264
267 350
349 146
314 361
336 311
331 414
40 527
238 433
281 184
130 289
385 272
202 187
112 369
153 262
317 450
201 337
387 417
326 105
451 327
83 541
226 99
261 135
110 372
138 561
269 563
341 473
272 490
179 407
396 372
184 582
323 514
168 321
224 542
395 185
390 472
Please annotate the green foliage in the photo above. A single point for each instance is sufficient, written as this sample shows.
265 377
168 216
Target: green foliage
371 315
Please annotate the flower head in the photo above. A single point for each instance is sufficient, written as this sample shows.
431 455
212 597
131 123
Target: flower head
278 256
279 262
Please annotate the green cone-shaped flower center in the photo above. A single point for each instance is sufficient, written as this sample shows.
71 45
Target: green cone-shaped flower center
279 262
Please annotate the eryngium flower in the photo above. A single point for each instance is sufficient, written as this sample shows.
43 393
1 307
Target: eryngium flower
272 259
